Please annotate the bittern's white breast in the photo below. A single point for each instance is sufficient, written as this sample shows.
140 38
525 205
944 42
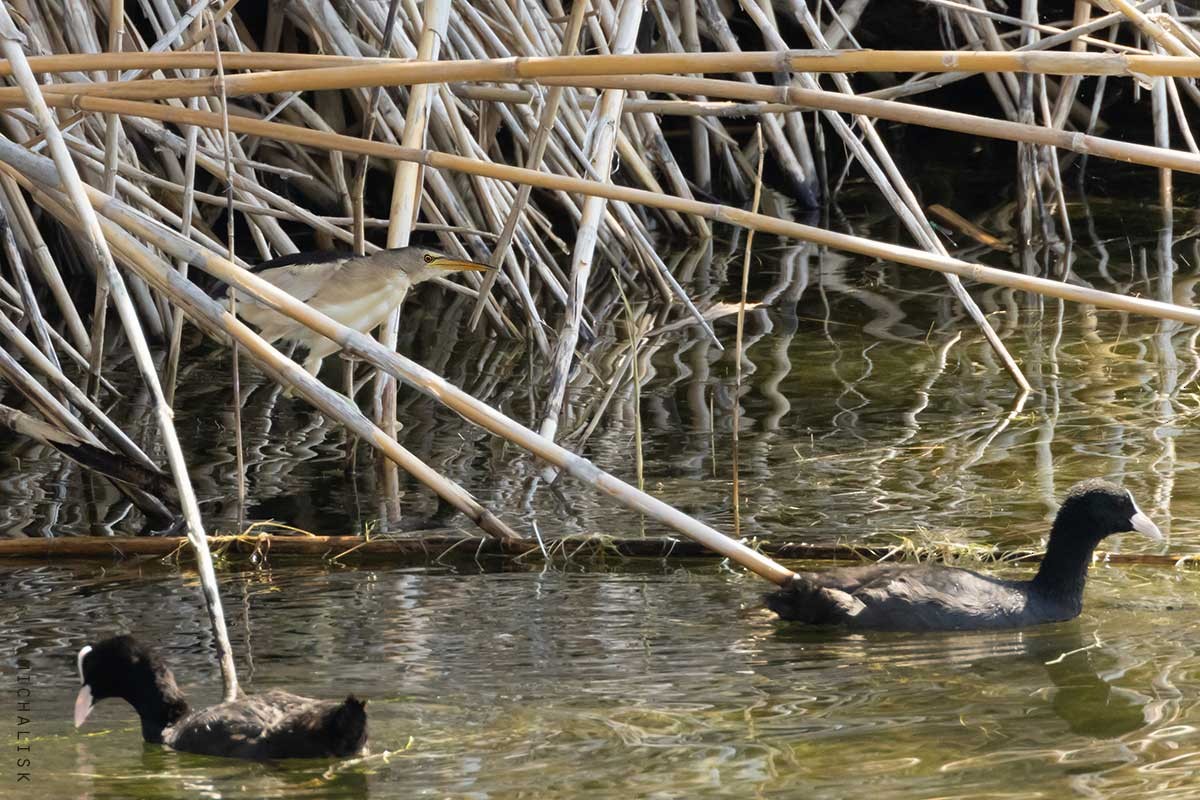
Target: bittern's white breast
356 294
362 301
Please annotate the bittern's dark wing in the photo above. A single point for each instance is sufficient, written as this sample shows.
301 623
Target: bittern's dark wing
302 271
303 259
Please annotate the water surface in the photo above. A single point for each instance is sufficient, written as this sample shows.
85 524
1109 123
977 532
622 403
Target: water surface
871 411
653 680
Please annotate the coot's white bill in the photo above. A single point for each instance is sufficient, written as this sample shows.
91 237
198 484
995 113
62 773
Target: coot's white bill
1142 524
83 705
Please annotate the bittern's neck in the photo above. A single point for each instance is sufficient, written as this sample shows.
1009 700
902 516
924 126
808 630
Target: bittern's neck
392 285
393 296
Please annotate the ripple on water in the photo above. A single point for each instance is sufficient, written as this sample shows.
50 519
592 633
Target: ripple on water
643 684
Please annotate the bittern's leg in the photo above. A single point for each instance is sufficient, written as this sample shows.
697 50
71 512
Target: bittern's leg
317 354
313 365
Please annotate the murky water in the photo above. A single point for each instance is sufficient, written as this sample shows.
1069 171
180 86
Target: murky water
871 411
652 681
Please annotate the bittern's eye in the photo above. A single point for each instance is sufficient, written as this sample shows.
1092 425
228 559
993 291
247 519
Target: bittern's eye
428 258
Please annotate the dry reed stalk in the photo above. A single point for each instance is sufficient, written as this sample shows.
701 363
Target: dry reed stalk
1050 164
619 228
1165 40
40 398
597 414
705 133
30 238
792 151
371 116
602 129
405 203
1082 40
896 190
28 301
126 477
239 452
1029 197
689 34
71 353
11 41
738 351
252 193
406 187
358 211
72 393
672 108
112 130
537 151
187 206
631 327
711 211
901 112
1181 119
516 69
985 37
1178 29
131 187
917 85
654 156
1070 87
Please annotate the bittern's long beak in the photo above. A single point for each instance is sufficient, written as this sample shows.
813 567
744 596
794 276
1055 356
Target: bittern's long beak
455 265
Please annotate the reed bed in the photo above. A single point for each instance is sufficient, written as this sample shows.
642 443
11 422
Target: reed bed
543 140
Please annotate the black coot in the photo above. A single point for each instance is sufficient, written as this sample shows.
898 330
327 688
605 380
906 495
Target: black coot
273 724
930 597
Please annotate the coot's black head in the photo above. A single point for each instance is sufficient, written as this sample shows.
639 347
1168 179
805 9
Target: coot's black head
1095 509
123 667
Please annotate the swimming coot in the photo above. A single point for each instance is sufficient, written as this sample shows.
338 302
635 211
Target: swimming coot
931 597
273 724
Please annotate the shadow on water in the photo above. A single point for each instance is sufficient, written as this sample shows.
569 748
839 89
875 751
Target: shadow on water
163 773
1090 705
1077 694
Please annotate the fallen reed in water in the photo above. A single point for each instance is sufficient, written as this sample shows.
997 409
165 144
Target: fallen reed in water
453 547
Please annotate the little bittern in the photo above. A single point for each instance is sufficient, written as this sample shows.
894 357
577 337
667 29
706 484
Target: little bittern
357 291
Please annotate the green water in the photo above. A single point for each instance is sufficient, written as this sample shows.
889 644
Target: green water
652 680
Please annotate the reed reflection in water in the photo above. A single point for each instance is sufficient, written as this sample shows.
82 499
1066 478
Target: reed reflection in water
871 408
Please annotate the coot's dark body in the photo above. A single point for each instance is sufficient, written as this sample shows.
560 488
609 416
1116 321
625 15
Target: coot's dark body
273 724
925 597
929 597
